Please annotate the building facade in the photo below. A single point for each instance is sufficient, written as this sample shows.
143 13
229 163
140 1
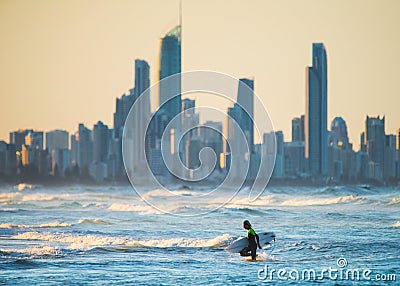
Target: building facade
316 134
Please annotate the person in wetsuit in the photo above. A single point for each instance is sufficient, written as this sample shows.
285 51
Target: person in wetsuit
252 237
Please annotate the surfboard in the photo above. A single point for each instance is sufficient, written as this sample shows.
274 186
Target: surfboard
242 242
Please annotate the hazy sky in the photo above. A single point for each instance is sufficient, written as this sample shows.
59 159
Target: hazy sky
65 62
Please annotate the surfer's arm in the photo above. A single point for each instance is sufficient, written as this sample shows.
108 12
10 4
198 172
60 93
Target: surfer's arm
258 241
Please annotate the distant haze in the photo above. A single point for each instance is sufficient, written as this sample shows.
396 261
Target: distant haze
65 62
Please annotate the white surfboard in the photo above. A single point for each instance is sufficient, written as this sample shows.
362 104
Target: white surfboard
240 243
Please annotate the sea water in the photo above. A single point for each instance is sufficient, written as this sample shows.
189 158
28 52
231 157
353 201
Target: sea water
109 235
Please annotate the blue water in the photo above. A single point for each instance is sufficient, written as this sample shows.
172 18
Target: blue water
108 235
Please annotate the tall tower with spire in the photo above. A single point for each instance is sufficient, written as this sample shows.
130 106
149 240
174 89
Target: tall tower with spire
169 63
316 133
169 99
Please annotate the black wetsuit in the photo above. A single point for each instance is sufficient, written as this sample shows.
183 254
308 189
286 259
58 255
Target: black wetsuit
252 236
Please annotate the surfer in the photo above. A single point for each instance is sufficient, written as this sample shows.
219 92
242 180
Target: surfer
252 236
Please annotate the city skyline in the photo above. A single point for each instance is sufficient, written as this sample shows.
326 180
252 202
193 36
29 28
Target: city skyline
100 78
98 154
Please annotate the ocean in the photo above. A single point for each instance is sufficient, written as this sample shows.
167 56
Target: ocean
109 235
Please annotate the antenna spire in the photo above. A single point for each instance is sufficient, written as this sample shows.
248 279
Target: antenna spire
180 13
180 20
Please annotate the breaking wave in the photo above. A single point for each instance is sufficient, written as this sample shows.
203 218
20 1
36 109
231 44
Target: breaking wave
274 200
163 193
36 251
142 209
394 201
44 225
53 224
324 201
92 221
90 241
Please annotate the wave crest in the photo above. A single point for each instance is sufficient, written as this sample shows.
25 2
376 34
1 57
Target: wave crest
327 201
142 209
36 251
44 225
92 221
90 241
394 201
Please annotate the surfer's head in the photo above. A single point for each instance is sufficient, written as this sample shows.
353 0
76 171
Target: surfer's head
246 224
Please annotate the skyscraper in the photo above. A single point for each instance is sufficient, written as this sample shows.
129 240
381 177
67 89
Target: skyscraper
60 161
34 139
11 159
122 107
100 142
233 130
389 167
316 134
190 141
293 158
242 115
82 148
169 96
246 101
56 139
279 168
18 138
236 148
142 109
339 136
188 106
142 80
374 140
3 152
213 138
169 62
189 118
154 133
298 129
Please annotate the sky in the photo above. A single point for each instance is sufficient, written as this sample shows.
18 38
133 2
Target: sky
64 62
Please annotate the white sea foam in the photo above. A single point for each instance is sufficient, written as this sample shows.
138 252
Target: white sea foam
90 241
35 251
327 201
9 210
394 201
8 197
44 225
188 242
40 250
314 247
24 186
262 257
88 205
261 201
53 224
15 197
92 221
142 209
75 241
167 193
37 197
